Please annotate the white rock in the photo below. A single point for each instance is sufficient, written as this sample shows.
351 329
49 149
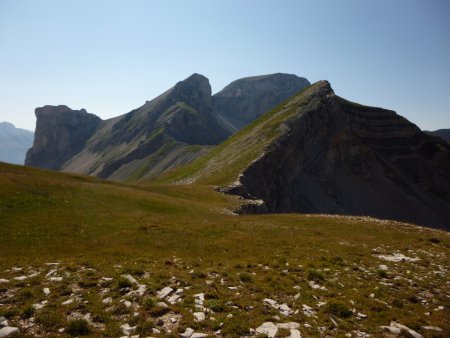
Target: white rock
46 291
127 329
267 328
361 315
67 302
2 280
288 326
107 279
38 306
107 300
187 333
3 321
55 279
163 293
397 257
156 331
161 304
271 302
397 328
200 296
127 303
199 316
6 331
173 299
20 278
295 334
199 335
383 267
51 272
285 310
297 296
432 328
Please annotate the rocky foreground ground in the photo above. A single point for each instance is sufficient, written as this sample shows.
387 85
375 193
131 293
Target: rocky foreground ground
387 293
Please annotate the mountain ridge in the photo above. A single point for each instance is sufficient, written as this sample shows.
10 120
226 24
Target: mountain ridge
14 143
319 153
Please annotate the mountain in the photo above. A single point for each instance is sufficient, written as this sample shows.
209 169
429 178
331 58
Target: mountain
244 100
14 143
318 153
442 133
172 129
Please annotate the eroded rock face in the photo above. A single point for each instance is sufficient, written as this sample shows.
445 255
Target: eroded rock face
60 134
338 157
244 100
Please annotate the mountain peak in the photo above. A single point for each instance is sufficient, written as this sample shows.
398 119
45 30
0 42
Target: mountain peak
194 90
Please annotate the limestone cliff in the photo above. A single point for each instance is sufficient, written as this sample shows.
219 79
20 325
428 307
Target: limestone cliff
60 134
244 100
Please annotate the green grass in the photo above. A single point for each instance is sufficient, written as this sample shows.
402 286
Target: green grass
180 236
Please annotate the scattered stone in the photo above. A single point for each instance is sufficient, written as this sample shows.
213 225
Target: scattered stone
163 293
127 329
173 299
199 335
108 300
397 257
267 328
46 291
288 326
20 278
8 330
397 328
67 302
295 334
383 267
55 279
199 316
361 315
127 304
432 328
3 280
285 310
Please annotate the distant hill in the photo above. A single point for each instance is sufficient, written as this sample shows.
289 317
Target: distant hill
318 153
442 133
14 143
246 99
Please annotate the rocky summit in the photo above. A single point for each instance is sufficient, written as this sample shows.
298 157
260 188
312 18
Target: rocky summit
319 153
244 100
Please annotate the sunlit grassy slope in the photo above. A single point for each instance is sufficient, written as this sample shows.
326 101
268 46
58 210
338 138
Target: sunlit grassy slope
160 232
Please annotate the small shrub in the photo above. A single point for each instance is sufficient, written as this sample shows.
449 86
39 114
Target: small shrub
237 327
50 319
145 327
27 311
338 308
315 275
397 303
382 274
216 305
246 277
25 294
148 303
123 283
159 311
78 327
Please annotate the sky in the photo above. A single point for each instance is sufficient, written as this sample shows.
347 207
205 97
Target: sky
109 57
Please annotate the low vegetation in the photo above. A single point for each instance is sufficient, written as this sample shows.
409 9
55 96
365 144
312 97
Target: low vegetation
82 257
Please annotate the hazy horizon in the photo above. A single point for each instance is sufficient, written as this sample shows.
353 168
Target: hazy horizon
109 57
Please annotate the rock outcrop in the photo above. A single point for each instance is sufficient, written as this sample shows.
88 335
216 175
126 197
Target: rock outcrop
60 134
14 143
246 99
329 155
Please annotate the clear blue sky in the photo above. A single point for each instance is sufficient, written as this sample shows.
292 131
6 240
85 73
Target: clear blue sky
111 56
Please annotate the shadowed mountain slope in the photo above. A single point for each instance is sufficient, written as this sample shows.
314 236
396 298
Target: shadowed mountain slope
318 153
442 133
